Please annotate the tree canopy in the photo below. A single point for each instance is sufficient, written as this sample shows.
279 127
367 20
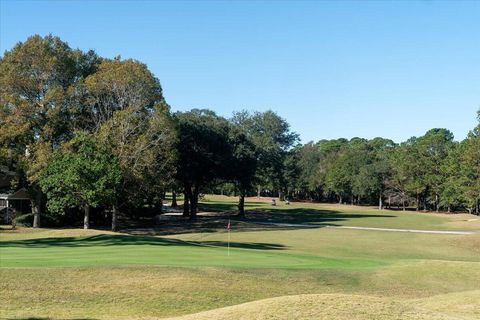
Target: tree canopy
81 175
80 131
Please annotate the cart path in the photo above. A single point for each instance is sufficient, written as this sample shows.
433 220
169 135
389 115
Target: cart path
294 225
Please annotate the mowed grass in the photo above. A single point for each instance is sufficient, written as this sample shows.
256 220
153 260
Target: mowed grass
342 214
314 273
127 250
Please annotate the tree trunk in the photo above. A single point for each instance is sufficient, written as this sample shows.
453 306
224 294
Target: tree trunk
86 218
36 217
114 218
193 203
241 204
193 209
281 197
403 204
448 208
160 205
351 200
36 208
259 190
174 199
340 199
186 204
380 202
436 202
418 202
7 213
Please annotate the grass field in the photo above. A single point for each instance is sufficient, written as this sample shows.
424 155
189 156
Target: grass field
346 215
271 273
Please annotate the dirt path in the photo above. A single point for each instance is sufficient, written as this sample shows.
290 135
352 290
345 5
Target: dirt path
367 228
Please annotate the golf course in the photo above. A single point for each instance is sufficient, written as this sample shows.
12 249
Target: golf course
282 262
239 160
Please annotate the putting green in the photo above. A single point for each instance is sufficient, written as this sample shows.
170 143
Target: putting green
125 250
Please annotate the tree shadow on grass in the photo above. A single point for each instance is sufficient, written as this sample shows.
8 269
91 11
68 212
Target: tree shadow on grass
306 216
122 240
217 221
226 206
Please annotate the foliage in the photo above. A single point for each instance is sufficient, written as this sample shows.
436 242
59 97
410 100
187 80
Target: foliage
242 165
80 175
204 152
38 81
118 85
272 139
49 92
144 145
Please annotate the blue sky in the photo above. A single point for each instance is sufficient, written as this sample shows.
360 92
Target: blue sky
332 69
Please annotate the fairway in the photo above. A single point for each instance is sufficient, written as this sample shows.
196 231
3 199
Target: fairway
343 214
314 272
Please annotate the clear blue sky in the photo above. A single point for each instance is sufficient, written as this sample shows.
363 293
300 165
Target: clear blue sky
332 69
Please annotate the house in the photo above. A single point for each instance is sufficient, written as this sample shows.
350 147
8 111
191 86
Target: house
11 202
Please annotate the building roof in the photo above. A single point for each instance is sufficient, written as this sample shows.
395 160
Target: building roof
21 194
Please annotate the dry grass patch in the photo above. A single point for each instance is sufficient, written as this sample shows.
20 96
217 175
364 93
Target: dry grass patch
320 306
154 292
465 304
21 233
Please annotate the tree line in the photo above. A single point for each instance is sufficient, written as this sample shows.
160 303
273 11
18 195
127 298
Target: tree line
88 134
431 172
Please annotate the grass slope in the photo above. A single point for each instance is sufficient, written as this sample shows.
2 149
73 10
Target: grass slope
153 293
322 306
184 279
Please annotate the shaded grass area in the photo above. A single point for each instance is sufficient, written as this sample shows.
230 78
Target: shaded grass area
126 240
346 215
227 204
310 216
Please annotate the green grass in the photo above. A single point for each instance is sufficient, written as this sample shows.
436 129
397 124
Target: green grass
343 215
125 250
73 274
